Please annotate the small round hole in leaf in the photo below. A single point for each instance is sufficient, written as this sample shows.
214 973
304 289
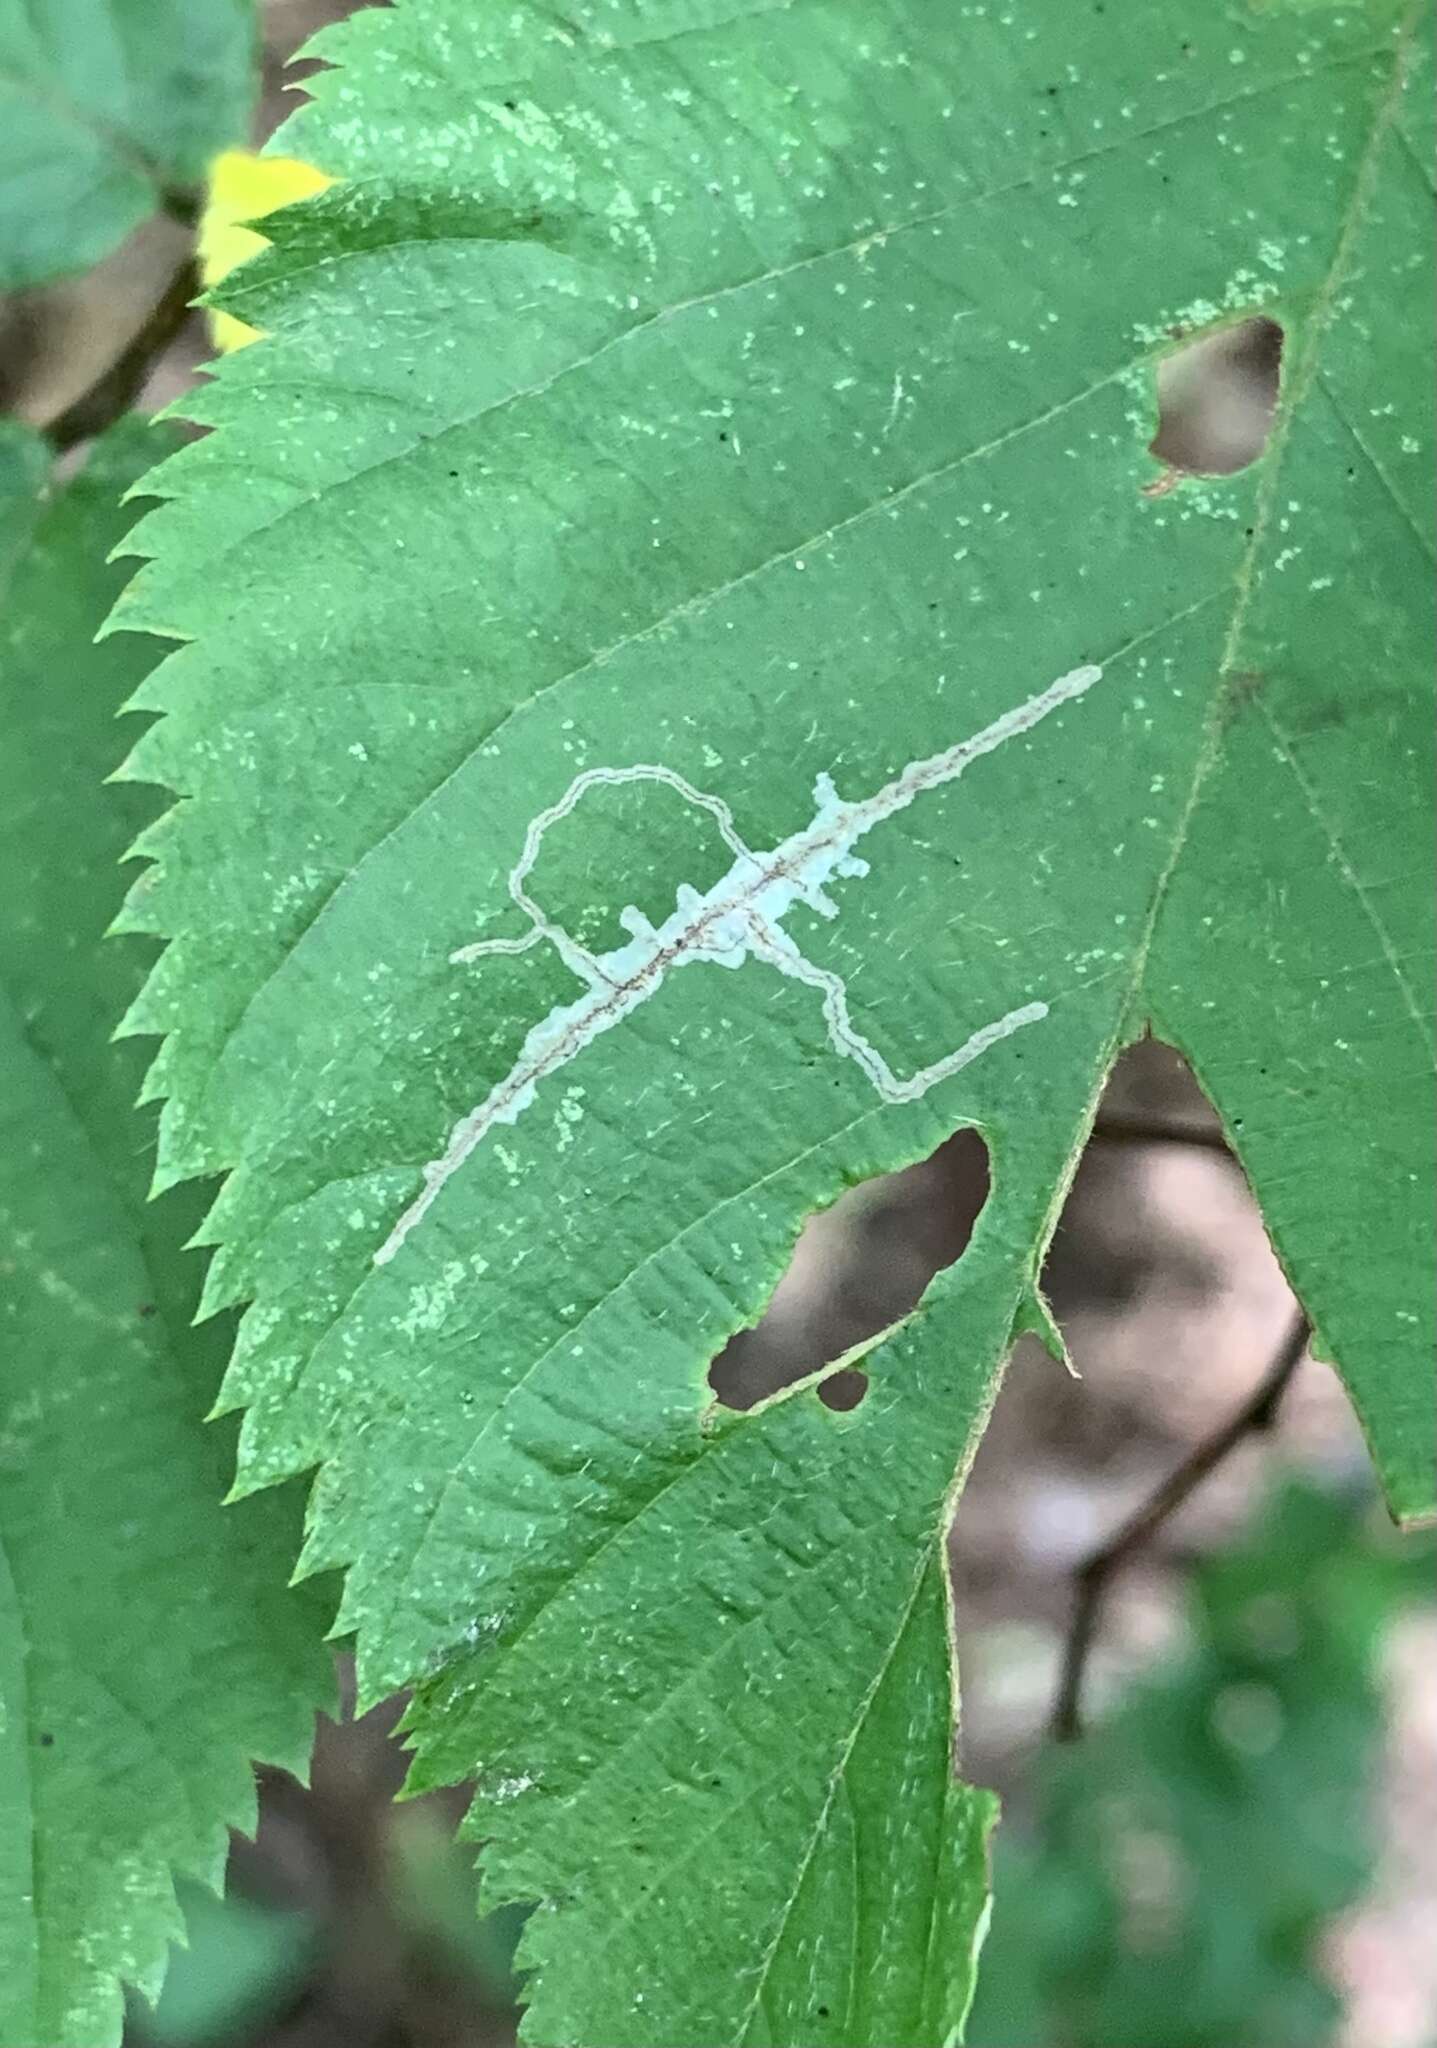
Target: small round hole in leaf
843 1390
1217 398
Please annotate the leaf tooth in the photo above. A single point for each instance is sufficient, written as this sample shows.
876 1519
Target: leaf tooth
147 1017
137 915
1035 1318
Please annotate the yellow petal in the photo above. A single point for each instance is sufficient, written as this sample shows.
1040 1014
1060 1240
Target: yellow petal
245 187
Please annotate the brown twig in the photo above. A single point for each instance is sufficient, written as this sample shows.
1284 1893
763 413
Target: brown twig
115 390
1258 1412
1113 1128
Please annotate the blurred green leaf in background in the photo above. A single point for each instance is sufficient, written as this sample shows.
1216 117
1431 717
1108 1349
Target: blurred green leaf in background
110 111
149 1647
240 1964
1187 1855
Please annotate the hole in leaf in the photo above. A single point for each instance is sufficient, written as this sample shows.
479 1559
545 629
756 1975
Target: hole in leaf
843 1390
857 1268
1217 398
1173 1303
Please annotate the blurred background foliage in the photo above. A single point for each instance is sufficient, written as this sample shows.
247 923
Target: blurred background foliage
1182 1861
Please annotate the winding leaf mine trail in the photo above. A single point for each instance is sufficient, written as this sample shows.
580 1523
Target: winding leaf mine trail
739 918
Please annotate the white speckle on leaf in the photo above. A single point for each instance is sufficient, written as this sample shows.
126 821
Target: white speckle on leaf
511 1788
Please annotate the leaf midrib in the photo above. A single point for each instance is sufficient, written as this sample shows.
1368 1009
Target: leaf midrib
811 1848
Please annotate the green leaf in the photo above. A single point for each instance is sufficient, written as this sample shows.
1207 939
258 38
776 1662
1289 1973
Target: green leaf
673 414
105 107
241 1966
148 1648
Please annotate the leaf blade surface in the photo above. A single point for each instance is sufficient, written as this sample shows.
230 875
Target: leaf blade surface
760 409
